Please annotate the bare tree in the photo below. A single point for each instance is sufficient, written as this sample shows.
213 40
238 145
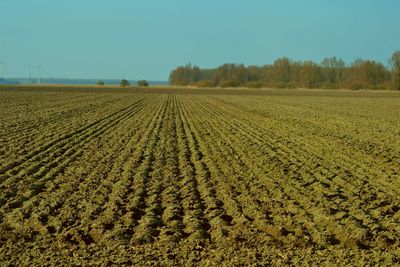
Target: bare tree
395 62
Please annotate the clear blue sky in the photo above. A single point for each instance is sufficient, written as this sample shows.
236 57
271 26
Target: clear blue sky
147 39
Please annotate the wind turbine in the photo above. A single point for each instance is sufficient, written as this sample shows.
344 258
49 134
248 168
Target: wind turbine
1 70
38 74
29 72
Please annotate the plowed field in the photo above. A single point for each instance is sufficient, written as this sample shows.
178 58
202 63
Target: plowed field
199 177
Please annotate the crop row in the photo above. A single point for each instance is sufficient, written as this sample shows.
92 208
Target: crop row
194 177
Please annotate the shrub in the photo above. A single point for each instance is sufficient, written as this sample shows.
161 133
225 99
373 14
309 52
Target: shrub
124 83
143 83
205 83
254 84
229 83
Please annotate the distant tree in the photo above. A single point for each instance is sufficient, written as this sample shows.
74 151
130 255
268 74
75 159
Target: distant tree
253 73
395 62
375 73
281 70
332 69
185 75
124 83
143 83
207 74
364 74
254 84
284 72
229 73
229 83
100 82
265 75
205 83
310 74
295 72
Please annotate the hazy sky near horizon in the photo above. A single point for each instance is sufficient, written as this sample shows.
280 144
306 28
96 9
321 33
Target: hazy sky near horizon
147 39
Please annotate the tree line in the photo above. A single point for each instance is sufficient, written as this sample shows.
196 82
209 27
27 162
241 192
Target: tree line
330 73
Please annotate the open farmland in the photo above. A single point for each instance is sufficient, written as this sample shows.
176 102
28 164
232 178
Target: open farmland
193 176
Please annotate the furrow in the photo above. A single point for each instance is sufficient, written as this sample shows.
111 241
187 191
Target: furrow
214 211
38 174
63 143
325 207
60 190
